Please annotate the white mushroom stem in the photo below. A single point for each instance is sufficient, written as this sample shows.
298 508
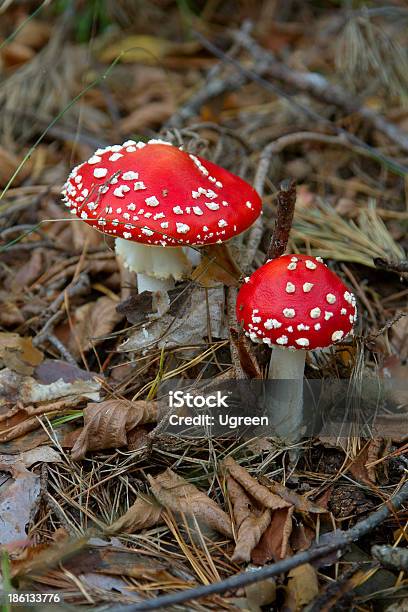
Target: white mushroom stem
285 407
156 267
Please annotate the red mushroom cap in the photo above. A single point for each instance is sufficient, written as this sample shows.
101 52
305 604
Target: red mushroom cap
157 194
296 302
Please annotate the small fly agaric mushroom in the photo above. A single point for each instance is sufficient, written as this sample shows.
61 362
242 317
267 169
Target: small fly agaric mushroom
294 303
154 195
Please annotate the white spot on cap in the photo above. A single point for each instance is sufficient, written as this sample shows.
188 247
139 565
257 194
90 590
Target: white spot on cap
212 205
84 215
315 313
100 172
290 288
292 266
302 327
319 259
95 159
152 201
289 329
302 342
310 264
352 319
147 231
197 210
164 225
337 335
222 223
127 235
178 210
272 323
248 204
205 228
289 313
307 287
317 326
115 157
139 185
130 175
246 279
330 298
343 311
282 340
327 315
182 228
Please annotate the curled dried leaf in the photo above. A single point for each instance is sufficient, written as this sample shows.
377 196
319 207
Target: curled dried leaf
106 424
143 514
178 495
260 493
251 522
274 544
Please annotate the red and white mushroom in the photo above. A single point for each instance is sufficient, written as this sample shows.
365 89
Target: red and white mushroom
154 195
295 303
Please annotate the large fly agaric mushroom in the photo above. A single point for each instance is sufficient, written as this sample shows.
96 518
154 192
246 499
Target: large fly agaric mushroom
154 195
294 303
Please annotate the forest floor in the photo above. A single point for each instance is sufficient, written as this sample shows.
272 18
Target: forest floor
97 502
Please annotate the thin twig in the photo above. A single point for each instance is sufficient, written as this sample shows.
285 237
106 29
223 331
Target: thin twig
286 200
401 267
339 541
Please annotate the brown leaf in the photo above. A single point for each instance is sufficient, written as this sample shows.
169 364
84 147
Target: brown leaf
106 424
18 353
18 500
178 495
94 320
29 272
301 537
274 544
154 114
260 493
303 585
251 522
10 313
217 266
358 467
300 502
143 514
147 49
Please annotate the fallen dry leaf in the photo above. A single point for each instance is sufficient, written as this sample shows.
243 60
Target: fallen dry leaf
203 311
146 49
250 521
18 501
8 161
260 493
178 495
300 502
303 585
41 454
301 537
93 321
106 424
358 468
274 544
25 389
217 266
143 514
18 353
